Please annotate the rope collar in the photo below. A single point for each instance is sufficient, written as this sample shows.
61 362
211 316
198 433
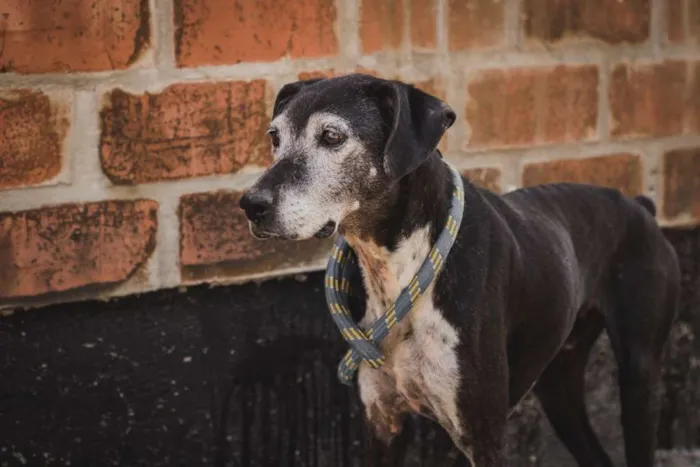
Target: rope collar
341 265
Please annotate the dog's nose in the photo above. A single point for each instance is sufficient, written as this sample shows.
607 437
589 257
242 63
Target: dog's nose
256 203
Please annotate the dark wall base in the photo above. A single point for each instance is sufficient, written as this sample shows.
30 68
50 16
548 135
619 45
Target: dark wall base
245 376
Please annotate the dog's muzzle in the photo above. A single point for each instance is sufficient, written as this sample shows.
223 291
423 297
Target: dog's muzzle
258 205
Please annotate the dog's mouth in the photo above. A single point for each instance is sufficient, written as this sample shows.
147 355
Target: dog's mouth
262 234
324 232
327 230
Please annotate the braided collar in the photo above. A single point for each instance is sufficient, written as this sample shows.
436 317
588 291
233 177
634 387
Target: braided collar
340 267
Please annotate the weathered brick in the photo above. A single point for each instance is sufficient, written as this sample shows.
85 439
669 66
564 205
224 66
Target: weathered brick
217 32
621 171
525 106
215 241
683 21
474 24
72 35
64 247
488 178
33 128
423 24
692 111
381 25
613 22
187 130
681 183
653 99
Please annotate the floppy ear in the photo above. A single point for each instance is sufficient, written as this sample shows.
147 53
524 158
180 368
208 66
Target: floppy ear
288 91
416 122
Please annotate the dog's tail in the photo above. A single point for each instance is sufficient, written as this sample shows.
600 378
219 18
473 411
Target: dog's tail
647 203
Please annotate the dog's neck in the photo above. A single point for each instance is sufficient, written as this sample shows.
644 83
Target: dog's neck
393 236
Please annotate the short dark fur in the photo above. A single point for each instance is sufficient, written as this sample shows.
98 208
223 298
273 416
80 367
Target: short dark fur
532 280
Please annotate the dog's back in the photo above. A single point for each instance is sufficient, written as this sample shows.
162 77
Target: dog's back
604 226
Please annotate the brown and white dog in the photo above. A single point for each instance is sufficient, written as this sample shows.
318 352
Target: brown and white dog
532 280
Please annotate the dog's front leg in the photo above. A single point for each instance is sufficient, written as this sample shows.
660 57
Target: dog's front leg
483 407
383 453
384 418
481 436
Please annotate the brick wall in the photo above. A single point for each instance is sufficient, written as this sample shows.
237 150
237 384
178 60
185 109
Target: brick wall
129 128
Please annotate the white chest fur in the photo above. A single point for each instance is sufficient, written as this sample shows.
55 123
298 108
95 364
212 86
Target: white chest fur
421 373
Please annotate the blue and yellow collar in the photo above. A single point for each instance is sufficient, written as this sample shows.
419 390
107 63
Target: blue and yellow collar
341 265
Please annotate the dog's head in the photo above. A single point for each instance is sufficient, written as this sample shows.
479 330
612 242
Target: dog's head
338 144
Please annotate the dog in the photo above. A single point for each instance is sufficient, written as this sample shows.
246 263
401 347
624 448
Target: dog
534 276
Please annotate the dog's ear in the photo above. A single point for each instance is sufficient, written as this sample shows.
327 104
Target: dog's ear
416 122
288 91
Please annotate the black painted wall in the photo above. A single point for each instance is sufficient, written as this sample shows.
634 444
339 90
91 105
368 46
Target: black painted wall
245 376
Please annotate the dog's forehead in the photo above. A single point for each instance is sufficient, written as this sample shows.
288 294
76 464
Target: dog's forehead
346 100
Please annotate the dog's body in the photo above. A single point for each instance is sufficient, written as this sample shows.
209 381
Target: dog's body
532 280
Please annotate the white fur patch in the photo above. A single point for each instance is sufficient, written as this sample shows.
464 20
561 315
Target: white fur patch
422 370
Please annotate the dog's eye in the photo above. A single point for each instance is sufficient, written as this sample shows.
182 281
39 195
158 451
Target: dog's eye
332 137
274 137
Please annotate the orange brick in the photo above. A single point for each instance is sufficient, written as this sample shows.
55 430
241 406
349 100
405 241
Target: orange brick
215 241
217 32
526 106
475 24
681 185
32 132
72 35
381 25
621 171
187 130
613 22
692 110
653 100
65 247
487 178
683 21
423 24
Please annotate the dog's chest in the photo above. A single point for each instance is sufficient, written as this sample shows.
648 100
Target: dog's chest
421 370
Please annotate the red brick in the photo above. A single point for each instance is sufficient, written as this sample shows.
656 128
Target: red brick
652 100
488 178
64 247
525 106
621 171
613 21
692 111
683 21
475 24
423 24
187 130
681 185
215 241
218 32
32 132
72 35
381 25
